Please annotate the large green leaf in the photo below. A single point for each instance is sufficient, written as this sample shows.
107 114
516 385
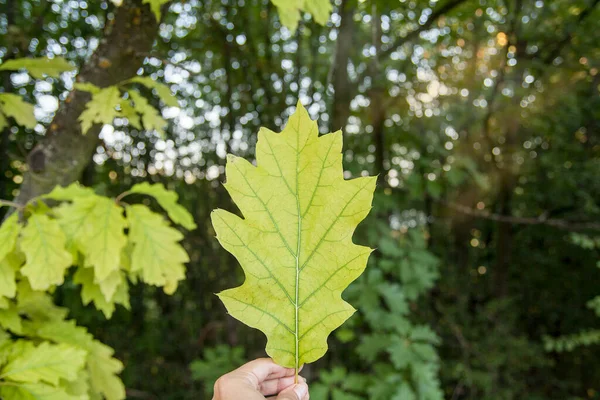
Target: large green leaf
295 241
43 243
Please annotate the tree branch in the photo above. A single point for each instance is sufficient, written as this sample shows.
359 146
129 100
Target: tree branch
540 220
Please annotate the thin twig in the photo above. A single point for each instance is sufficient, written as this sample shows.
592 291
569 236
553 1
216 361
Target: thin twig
11 204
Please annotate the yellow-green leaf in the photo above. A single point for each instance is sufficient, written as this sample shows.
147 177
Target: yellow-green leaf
14 106
168 200
45 363
92 292
9 231
290 11
69 193
38 67
163 91
43 243
37 305
101 109
103 370
36 391
10 320
155 6
151 118
8 269
3 122
295 241
101 366
103 237
129 112
156 251
87 87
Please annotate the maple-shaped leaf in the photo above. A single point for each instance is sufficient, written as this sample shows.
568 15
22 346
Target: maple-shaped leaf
43 243
14 106
295 241
38 67
168 200
47 362
101 109
156 251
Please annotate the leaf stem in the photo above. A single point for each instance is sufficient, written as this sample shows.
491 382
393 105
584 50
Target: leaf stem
122 195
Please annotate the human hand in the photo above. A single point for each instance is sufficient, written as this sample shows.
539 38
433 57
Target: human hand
260 378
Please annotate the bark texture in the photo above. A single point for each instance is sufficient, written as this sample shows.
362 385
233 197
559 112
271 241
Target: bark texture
62 155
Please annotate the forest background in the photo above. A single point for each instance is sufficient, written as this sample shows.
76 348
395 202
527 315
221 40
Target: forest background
480 117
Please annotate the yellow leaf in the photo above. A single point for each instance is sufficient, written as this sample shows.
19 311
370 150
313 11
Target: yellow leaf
295 241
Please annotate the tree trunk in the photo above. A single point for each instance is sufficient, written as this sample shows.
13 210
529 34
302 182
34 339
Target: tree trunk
342 87
61 157
377 97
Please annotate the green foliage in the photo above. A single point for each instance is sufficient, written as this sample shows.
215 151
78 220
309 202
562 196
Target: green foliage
294 243
214 363
12 105
42 355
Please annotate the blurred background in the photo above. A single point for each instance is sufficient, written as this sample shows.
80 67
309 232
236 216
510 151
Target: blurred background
482 119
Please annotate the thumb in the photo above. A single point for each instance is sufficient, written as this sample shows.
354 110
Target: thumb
294 392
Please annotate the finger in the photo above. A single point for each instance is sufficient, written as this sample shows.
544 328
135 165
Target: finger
295 392
263 369
273 386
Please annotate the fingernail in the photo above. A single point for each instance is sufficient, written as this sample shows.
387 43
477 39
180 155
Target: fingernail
301 390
